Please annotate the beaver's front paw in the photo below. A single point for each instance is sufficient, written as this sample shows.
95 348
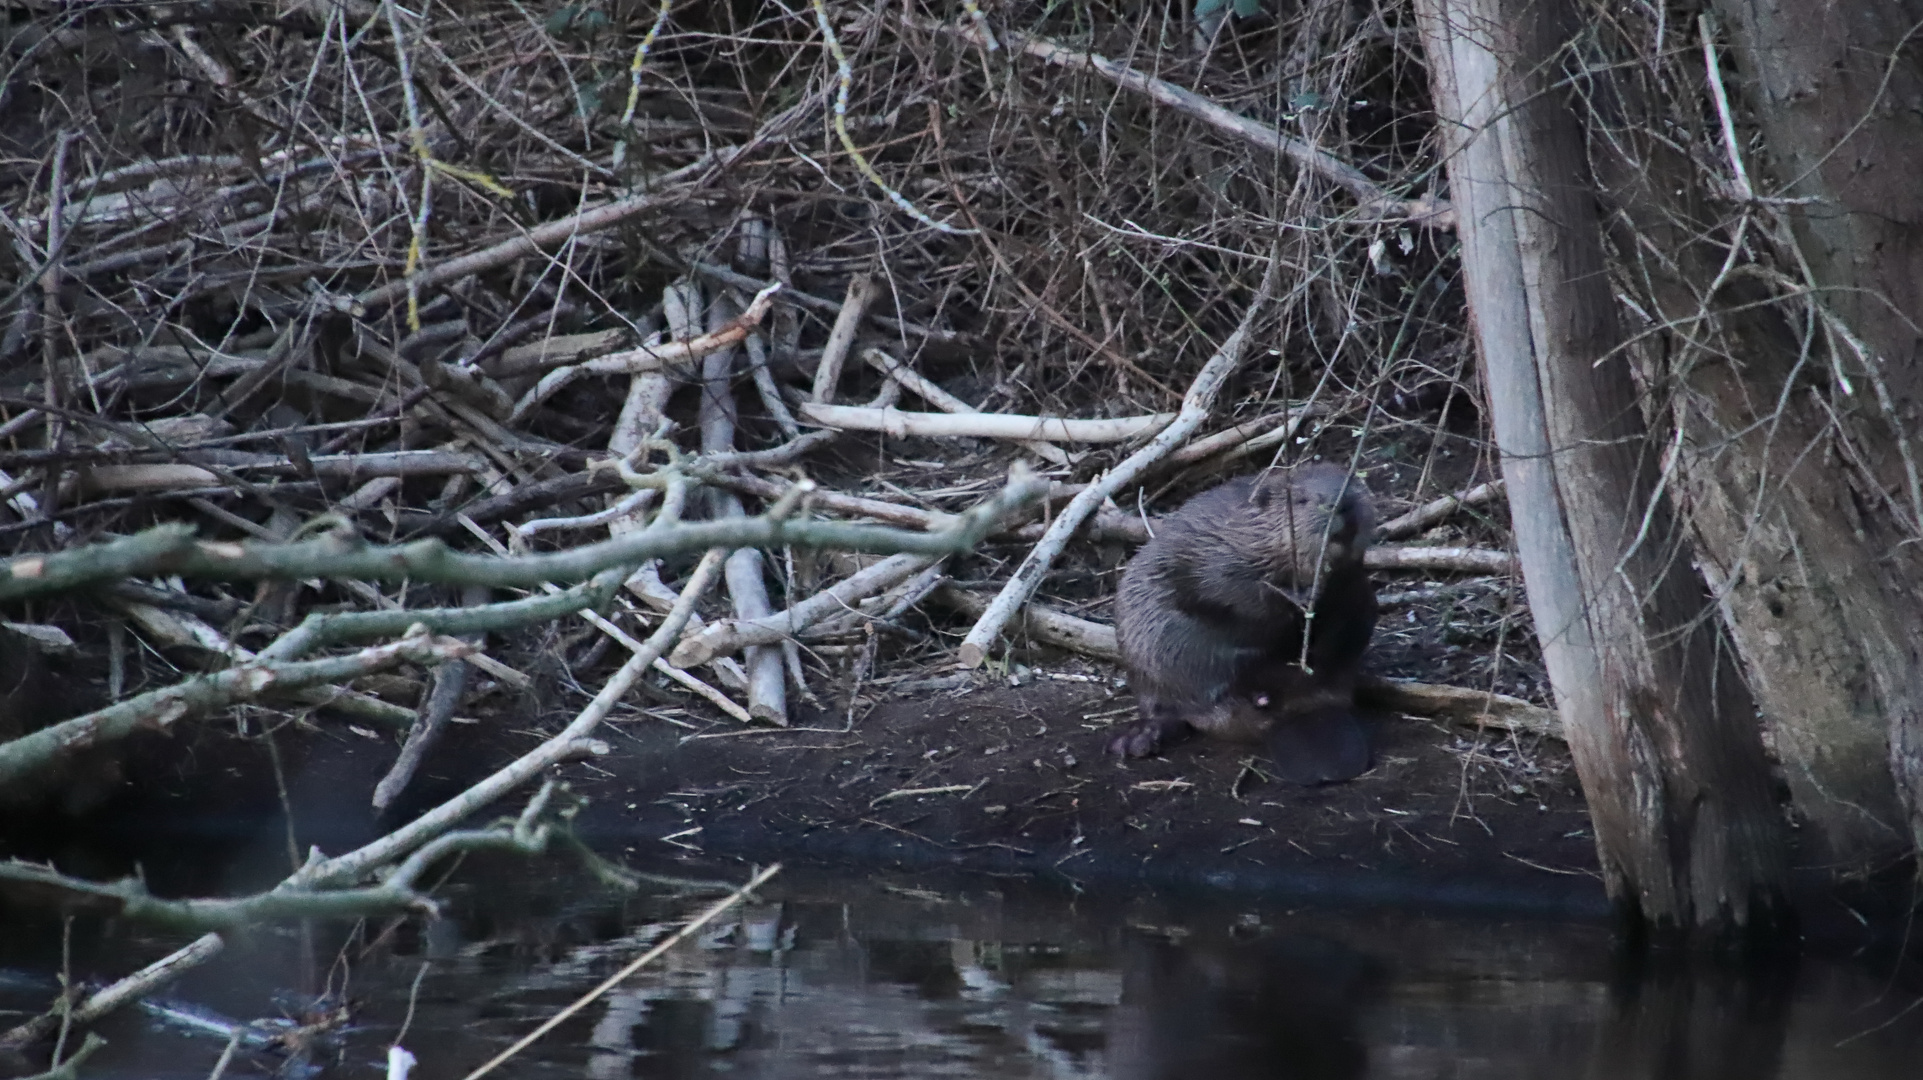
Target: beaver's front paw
1146 738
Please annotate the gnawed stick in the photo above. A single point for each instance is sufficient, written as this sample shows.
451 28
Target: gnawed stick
1042 623
1464 559
721 338
747 585
841 337
913 382
1195 409
722 638
1460 705
160 476
883 607
982 425
1246 437
1429 513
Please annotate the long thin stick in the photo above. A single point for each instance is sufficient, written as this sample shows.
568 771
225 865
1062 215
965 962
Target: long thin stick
616 979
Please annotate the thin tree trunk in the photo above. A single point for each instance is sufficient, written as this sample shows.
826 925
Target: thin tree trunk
1661 728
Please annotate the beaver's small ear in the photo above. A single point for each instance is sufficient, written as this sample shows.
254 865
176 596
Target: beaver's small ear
1262 497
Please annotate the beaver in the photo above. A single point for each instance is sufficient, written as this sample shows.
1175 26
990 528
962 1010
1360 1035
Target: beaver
1213 611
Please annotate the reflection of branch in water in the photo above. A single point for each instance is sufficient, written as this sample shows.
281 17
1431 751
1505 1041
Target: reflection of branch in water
621 976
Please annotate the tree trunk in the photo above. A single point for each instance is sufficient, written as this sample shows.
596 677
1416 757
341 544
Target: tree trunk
1661 728
1836 92
1776 530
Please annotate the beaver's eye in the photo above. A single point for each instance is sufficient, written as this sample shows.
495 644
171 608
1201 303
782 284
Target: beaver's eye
1261 701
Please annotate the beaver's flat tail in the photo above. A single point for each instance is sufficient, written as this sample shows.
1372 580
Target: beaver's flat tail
1323 745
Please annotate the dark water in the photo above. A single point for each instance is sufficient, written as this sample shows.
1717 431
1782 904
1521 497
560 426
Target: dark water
859 977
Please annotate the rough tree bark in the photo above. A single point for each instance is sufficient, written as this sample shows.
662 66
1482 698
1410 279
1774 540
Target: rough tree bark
1777 529
1661 728
1837 93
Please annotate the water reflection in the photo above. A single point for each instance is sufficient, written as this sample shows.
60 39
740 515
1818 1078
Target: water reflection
849 978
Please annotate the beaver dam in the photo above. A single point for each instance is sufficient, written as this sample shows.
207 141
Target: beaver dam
494 495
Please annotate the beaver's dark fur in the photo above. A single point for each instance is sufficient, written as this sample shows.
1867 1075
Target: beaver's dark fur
1212 615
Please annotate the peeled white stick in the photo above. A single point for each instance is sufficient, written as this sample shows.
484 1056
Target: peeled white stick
722 638
982 425
1195 409
841 337
659 357
912 381
747 585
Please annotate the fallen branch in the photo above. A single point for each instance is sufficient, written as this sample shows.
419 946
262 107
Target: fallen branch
117 993
912 381
1195 409
1429 513
172 549
732 635
396 894
899 424
823 304
186 630
1462 559
128 898
908 517
322 629
160 709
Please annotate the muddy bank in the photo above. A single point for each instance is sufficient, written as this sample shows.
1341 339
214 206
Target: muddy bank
1013 780
995 779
